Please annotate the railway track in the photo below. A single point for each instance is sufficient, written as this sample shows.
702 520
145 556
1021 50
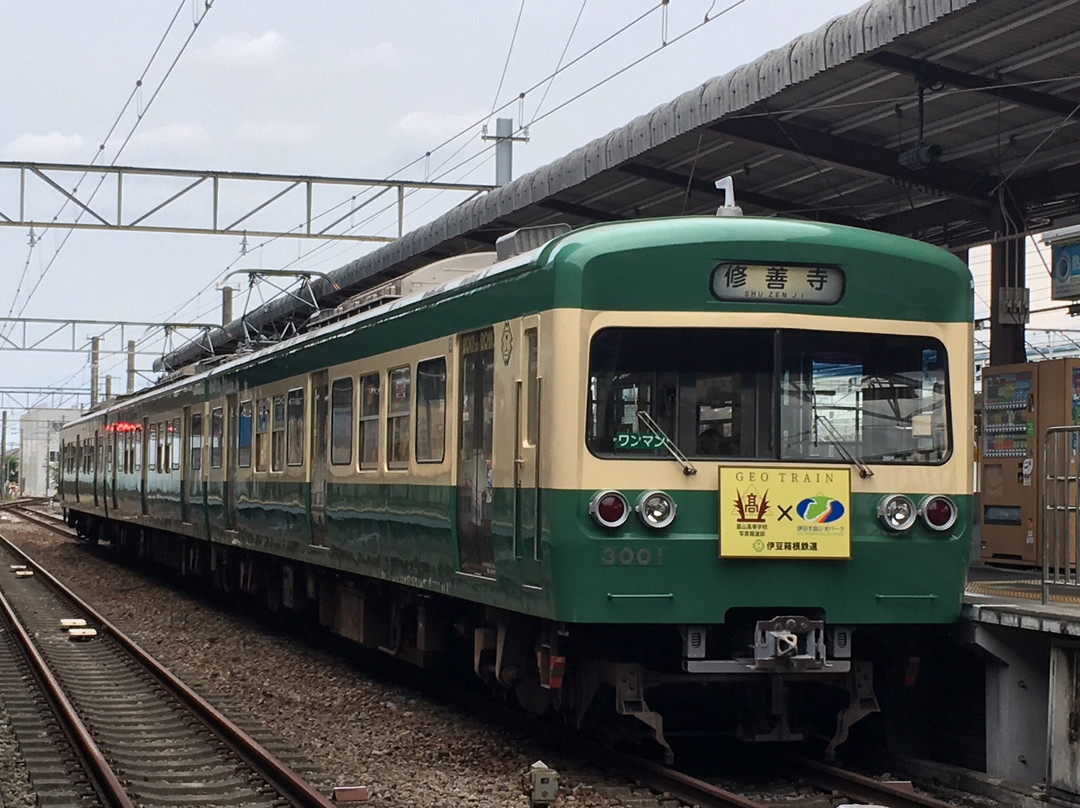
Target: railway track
28 509
122 731
825 778
811 778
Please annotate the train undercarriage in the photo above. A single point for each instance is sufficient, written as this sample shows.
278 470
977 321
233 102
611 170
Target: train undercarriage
776 678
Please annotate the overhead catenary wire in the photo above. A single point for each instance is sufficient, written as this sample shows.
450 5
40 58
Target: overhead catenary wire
329 245
509 53
208 4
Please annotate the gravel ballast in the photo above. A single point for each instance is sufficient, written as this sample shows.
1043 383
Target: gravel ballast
354 729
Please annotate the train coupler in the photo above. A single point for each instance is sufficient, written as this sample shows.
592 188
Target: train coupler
789 643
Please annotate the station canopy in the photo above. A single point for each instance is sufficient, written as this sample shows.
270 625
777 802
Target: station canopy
950 121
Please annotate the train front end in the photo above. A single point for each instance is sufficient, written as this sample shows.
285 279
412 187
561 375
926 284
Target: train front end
772 477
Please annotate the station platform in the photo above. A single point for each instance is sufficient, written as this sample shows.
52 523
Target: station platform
1032 675
1014 598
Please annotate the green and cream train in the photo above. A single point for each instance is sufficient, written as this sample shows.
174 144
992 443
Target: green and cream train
713 459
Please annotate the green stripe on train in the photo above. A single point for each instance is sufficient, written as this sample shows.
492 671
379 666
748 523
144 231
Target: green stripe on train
405 533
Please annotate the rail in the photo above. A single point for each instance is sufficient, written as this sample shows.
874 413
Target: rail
1060 526
292 788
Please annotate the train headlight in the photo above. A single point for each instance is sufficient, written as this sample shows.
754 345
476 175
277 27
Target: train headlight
939 513
609 508
897 512
656 509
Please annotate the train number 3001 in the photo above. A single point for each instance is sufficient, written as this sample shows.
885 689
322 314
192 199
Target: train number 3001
632 557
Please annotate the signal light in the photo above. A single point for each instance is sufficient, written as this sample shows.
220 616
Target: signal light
656 509
897 512
609 508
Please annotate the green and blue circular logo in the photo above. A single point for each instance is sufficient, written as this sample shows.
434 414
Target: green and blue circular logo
820 510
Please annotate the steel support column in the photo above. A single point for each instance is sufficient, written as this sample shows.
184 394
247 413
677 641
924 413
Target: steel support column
1008 287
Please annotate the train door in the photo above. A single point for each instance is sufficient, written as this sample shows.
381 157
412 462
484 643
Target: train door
229 467
194 474
112 441
142 461
185 470
98 469
319 433
527 455
474 474
76 477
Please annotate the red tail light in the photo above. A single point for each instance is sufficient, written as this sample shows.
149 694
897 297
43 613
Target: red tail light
939 513
609 508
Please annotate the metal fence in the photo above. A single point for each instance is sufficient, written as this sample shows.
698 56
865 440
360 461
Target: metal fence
1061 509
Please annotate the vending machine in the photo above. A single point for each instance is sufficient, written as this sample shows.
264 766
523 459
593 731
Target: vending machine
1020 402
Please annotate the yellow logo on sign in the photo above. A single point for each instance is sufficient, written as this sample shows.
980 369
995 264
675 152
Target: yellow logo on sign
775 512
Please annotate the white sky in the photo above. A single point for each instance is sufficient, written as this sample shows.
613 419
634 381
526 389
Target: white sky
327 88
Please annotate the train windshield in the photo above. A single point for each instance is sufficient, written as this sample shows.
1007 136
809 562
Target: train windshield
767 394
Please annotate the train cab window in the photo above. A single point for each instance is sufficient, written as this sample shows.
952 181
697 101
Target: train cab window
880 397
294 428
369 421
277 438
767 394
217 434
195 441
341 421
397 418
243 436
431 410
262 430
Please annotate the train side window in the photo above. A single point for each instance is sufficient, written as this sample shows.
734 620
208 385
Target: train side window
341 421
217 429
174 439
137 449
262 428
369 421
195 441
243 436
532 389
431 410
294 437
397 418
277 438
160 465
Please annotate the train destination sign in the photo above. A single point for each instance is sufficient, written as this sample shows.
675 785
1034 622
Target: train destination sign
777 283
785 513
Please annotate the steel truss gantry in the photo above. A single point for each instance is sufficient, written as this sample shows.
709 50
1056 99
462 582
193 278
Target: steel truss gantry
52 335
29 193
26 398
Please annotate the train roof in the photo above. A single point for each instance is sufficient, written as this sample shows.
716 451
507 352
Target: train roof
626 248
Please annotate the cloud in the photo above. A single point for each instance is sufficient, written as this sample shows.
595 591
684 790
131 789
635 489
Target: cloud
384 54
171 137
275 133
54 146
433 128
243 51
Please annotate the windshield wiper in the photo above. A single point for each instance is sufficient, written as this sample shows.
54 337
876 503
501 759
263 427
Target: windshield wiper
673 450
836 440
